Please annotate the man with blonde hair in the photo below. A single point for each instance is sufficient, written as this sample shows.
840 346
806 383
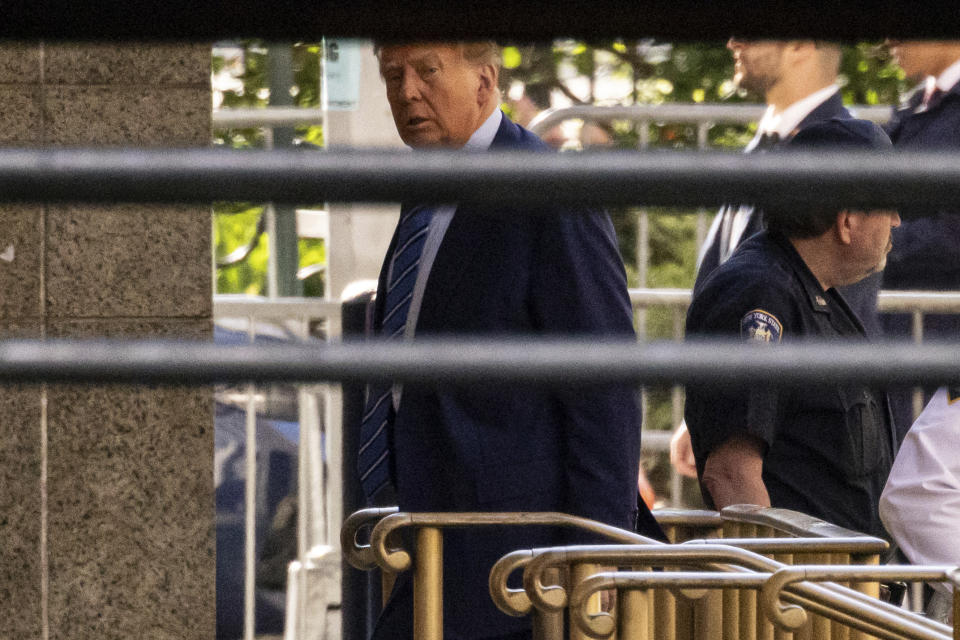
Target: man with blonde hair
492 270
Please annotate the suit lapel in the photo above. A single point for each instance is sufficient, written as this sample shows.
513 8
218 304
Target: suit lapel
459 245
908 122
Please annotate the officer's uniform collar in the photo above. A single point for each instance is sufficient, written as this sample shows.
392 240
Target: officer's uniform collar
816 296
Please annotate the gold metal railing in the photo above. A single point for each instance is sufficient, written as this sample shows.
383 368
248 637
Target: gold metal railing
385 551
746 572
721 568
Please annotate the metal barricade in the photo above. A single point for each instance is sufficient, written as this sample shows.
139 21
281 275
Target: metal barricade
383 551
753 578
720 599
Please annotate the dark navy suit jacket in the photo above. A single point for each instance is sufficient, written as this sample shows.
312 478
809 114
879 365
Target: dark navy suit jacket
503 272
926 249
926 246
830 125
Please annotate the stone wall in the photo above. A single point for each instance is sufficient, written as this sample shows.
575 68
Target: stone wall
106 506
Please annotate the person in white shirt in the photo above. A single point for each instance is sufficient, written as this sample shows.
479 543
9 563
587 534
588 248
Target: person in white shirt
920 505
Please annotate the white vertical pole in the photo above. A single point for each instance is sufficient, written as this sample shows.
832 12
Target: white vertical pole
271 228
676 398
250 508
917 338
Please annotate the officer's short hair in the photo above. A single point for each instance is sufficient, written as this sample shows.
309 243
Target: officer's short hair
800 223
836 134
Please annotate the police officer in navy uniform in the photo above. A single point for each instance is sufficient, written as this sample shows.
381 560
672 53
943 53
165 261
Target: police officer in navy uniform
926 253
826 453
798 81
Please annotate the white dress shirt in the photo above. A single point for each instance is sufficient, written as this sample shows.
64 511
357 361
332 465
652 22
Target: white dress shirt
481 140
920 505
786 121
950 77
738 216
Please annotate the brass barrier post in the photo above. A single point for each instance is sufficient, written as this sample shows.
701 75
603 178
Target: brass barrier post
748 599
428 585
548 625
580 572
731 597
634 623
871 589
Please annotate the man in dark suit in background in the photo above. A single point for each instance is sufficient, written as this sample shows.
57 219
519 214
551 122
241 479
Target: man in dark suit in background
492 270
797 80
926 247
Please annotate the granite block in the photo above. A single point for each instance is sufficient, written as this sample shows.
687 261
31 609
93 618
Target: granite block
130 525
127 116
128 260
19 62
120 328
20 123
128 63
21 242
20 500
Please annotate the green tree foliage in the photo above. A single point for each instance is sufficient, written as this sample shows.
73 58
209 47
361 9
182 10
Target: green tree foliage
235 223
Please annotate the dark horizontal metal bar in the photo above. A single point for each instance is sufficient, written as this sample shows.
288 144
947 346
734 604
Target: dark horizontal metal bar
542 362
527 19
651 178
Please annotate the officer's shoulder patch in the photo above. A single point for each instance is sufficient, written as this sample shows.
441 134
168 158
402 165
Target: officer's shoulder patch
760 325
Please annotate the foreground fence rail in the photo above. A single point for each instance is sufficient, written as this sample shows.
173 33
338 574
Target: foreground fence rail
652 178
532 361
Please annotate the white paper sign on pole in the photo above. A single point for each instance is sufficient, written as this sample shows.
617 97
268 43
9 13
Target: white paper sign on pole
341 73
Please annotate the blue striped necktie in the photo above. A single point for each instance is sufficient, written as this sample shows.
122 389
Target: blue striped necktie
374 457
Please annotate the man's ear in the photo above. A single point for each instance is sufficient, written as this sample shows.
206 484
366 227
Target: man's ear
800 49
489 76
844 226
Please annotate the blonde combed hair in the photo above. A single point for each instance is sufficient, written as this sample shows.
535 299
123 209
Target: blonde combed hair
475 52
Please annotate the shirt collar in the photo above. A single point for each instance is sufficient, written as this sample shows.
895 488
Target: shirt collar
483 137
950 77
787 120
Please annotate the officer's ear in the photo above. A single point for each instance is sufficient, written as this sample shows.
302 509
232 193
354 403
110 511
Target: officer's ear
844 226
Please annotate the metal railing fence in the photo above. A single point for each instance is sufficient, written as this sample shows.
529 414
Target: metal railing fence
703 116
675 602
853 179
319 484
548 362
515 22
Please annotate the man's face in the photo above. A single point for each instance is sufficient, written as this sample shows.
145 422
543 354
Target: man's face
436 96
870 239
756 64
917 58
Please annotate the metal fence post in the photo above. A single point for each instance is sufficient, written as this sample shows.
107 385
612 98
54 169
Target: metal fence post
360 590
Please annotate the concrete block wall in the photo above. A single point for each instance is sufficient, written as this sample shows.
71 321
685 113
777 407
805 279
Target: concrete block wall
106 506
